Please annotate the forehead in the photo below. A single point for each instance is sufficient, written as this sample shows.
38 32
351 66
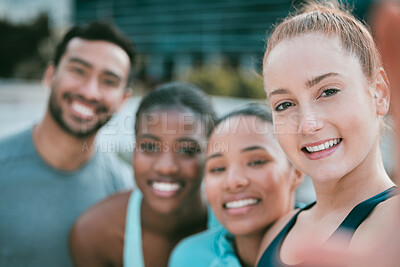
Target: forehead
242 125
307 56
240 132
100 54
171 124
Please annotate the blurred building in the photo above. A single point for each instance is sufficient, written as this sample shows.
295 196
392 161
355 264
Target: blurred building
172 36
21 11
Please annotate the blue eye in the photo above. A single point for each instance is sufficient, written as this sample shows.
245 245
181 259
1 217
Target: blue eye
329 92
283 106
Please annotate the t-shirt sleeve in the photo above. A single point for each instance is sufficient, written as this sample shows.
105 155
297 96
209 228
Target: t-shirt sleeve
125 180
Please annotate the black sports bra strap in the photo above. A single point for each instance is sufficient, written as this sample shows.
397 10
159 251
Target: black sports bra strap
353 220
360 212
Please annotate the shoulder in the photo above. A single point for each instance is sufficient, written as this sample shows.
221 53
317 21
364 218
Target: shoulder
199 248
119 170
381 218
109 212
273 231
114 163
15 146
99 232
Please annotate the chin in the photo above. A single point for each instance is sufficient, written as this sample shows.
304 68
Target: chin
244 228
165 208
326 175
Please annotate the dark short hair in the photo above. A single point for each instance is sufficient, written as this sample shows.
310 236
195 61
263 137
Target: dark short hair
257 110
96 31
177 95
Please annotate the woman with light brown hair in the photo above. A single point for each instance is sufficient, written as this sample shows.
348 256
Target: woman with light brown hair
328 93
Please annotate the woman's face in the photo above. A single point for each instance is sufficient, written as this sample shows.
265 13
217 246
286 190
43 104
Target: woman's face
248 180
169 159
325 116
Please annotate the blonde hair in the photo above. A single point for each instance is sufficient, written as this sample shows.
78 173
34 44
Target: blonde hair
332 19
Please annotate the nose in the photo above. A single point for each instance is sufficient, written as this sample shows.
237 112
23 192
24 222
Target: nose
90 90
235 180
309 123
166 163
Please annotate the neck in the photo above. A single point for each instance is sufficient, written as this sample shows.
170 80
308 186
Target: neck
247 247
58 148
188 220
366 180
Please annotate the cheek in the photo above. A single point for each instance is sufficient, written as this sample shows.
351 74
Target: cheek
212 190
141 165
268 180
112 101
287 124
66 82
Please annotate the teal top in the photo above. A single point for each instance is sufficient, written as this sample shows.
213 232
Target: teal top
133 256
211 248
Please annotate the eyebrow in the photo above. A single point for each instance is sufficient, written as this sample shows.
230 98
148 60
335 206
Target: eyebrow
246 149
149 136
216 155
186 139
310 83
319 78
80 61
110 73
252 148
280 91
88 65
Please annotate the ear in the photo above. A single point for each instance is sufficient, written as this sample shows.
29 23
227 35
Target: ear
382 92
49 75
297 178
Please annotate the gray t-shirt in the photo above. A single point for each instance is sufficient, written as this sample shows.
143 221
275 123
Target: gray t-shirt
39 204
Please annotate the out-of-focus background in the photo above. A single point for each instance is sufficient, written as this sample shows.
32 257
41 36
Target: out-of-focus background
215 44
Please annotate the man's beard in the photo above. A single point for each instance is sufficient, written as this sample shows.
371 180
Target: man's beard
86 131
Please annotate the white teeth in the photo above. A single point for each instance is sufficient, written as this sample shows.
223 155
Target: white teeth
241 203
166 187
326 145
82 109
323 146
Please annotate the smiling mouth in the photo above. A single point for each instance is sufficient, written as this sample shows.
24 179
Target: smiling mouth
167 187
327 145
83 110
241 203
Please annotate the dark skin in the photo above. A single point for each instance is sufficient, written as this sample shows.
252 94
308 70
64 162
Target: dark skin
161 233
87 247
97 238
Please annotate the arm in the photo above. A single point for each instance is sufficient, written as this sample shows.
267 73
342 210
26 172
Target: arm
85 248
97 237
